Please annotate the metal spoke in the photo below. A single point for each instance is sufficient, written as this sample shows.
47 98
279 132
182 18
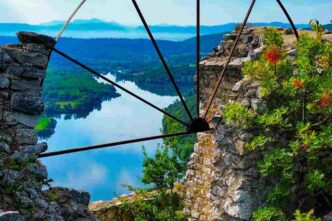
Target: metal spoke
161 57
117 85
229 58
81 149
198 54
289 18
68 20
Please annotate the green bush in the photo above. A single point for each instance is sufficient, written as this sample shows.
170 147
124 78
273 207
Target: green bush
295 128
305 216
237 115
269 214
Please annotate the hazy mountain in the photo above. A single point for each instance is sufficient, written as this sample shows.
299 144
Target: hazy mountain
96 28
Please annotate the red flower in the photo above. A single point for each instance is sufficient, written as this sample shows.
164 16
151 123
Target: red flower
273 55
298 84
325 100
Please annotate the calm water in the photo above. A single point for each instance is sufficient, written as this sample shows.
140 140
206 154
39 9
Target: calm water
103 172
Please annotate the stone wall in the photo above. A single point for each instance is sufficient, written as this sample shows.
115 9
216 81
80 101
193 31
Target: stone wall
222 182
24 192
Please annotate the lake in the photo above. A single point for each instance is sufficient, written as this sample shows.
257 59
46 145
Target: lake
103 172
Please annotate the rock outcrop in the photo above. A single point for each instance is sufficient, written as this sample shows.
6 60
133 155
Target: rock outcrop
24 190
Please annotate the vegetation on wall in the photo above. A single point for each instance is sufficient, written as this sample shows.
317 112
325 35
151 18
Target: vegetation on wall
293 129
185 144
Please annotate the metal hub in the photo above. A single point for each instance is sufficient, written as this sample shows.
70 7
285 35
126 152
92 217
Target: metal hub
198 125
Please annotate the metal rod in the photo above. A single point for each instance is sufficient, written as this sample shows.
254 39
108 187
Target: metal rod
81 149
198 54
117 85
161 57
69 20
289 19
229 58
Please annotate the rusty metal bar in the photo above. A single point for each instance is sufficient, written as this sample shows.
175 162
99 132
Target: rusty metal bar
198 54
289 19
69 20
81 149
161 57
117 85
229 58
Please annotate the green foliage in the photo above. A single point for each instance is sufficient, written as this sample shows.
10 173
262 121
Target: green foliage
316 181
269 214
273 119
18 164
162 171
318 28
257 142
277 162
45 127
73 92
238 115
305 216
43 124
52 196
10 189
294 130
159 202
273 37
184 144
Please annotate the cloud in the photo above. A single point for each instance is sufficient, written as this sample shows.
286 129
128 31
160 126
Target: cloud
88 177
127 178
162 11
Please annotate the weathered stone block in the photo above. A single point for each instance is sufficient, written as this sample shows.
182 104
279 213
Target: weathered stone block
77 196
27 103
32 47
25 85
228 37
4 83
5 141
14 70
29 58
13 118
25 71
32 150
26 136
31 37
4 57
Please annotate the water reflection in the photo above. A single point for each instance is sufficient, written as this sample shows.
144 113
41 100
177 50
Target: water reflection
102 172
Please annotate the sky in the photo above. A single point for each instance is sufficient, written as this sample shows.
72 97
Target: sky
179 12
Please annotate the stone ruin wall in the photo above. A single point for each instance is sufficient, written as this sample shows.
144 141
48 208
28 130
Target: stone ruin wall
222 182
22 69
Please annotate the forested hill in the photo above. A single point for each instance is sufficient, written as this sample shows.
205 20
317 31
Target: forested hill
127 50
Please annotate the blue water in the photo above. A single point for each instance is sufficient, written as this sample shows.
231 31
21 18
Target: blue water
103 172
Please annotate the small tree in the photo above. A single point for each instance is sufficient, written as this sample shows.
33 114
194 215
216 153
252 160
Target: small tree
159 202
318 28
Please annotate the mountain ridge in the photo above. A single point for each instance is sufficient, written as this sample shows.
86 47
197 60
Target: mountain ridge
97 24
